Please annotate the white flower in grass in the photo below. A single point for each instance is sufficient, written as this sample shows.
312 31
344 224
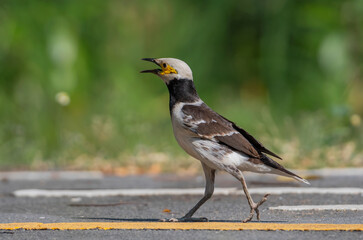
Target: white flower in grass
63 98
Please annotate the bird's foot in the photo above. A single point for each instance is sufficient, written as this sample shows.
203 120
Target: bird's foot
254 209
184 219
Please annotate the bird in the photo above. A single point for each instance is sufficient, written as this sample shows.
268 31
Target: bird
218 143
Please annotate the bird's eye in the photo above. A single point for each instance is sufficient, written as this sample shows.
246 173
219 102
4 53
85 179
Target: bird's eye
164 65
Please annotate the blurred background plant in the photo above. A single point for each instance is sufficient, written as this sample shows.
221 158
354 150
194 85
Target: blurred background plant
71 96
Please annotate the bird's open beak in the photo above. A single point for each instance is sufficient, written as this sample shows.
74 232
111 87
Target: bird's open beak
155 71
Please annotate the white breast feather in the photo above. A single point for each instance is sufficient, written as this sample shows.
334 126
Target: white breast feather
183 136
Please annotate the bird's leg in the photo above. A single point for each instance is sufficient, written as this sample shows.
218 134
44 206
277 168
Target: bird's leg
253 205
209 189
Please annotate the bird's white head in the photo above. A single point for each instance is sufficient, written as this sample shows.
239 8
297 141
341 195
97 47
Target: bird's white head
171 68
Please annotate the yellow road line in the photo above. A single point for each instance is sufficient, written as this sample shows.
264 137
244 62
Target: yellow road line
182 226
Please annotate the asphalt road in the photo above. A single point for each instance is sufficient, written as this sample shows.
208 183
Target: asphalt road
231 208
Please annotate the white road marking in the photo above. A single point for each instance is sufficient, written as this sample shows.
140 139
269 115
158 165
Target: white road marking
118 192
74 175
307 190
50 175
319 208
182 191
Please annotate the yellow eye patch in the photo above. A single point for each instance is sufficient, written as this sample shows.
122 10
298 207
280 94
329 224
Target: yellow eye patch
167 70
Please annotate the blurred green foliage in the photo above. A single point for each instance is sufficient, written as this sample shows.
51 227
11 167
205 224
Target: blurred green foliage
290 72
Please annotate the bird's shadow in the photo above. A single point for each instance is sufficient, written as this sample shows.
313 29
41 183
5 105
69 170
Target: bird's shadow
158 220
121 219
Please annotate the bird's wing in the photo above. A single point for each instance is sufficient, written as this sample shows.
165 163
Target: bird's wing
207 124
258 146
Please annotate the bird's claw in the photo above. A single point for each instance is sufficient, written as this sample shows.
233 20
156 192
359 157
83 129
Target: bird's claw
254 209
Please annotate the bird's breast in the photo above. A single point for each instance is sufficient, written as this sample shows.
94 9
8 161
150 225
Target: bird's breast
184 137
184 134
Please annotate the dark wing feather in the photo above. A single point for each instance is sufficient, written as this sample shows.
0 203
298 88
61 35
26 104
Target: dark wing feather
255 143
207 124
239 143
258 146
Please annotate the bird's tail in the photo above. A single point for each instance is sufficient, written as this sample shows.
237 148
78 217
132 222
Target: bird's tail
282 171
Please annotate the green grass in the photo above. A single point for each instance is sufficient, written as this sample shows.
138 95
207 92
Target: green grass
289 74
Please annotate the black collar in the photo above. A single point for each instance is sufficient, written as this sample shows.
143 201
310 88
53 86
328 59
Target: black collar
181 90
